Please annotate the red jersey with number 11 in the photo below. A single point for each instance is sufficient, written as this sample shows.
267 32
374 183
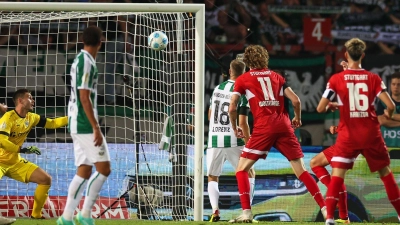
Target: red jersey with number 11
356 91
264 91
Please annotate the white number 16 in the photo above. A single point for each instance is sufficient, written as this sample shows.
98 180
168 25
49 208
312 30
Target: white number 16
358 101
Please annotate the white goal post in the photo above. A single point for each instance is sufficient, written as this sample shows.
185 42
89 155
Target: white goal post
17 12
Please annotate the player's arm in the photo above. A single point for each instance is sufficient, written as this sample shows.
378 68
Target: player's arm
84 97
244 122
243 111
5 130
3 109
52 123
386 119
233 114
288 92
383 121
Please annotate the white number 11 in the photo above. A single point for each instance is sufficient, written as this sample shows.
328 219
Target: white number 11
266 87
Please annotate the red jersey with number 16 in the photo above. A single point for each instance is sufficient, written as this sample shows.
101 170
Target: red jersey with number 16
264 91
356 91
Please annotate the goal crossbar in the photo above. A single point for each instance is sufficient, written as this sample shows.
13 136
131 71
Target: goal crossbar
198 9
115 7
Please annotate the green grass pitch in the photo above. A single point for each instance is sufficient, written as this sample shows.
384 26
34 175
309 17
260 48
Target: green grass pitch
142 222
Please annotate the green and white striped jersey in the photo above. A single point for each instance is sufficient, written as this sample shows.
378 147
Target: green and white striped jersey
84 75
221 134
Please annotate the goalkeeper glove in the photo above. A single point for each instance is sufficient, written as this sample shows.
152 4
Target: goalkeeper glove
31 150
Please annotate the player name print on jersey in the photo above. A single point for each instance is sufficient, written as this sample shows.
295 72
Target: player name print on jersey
221 134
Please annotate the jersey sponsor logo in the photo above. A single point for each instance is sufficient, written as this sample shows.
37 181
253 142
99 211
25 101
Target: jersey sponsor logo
3 125
356 77
221 129
14 134
268 103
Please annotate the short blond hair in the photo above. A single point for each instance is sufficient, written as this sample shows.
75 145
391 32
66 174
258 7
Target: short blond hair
237 67
355 47
256 57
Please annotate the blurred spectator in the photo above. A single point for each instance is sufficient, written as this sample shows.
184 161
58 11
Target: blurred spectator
116 44
271 26
227 23
391 127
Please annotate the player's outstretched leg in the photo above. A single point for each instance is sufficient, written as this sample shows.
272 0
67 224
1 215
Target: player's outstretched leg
213 193
43 180
94 186
309 182
6 221
242 177
391 187
318 164
75 190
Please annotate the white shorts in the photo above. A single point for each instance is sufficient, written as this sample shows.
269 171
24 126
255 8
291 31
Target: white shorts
216 158
85 151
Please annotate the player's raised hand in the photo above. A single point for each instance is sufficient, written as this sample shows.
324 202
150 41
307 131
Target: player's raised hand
296 122
344 64
333 129
31 150
3 108
98 138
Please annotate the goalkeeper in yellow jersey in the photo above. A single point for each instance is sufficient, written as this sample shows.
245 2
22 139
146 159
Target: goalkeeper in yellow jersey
14 128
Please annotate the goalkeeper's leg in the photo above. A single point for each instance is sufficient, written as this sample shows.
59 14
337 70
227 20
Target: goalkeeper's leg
43 179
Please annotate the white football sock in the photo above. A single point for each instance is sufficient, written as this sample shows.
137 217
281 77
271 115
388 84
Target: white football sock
213 194
94 186
75 190
252 182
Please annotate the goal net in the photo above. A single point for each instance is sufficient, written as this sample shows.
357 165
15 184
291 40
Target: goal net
145 97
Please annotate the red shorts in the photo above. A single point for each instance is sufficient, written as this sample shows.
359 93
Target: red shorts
260 144
377 156
329 153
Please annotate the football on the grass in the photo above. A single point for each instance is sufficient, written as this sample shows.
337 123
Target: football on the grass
158 40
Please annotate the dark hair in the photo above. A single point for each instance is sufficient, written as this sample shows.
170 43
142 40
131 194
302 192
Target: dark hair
237 67
256 57
19 94
395 75
92 36
355 47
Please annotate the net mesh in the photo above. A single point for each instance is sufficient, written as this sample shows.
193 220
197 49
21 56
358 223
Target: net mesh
138 88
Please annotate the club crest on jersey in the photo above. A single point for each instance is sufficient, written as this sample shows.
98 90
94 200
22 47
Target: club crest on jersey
3 125
26 123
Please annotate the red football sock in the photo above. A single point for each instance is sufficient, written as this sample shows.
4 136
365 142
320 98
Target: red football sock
332 195
322 174
343 212
392 191
242 178
312 187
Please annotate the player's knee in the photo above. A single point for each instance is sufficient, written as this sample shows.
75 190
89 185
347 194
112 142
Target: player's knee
105 171
384 171
212 178
46 180
313 162
252 173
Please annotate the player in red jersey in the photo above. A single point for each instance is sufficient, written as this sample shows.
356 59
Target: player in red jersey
265 91
359 131
322 159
